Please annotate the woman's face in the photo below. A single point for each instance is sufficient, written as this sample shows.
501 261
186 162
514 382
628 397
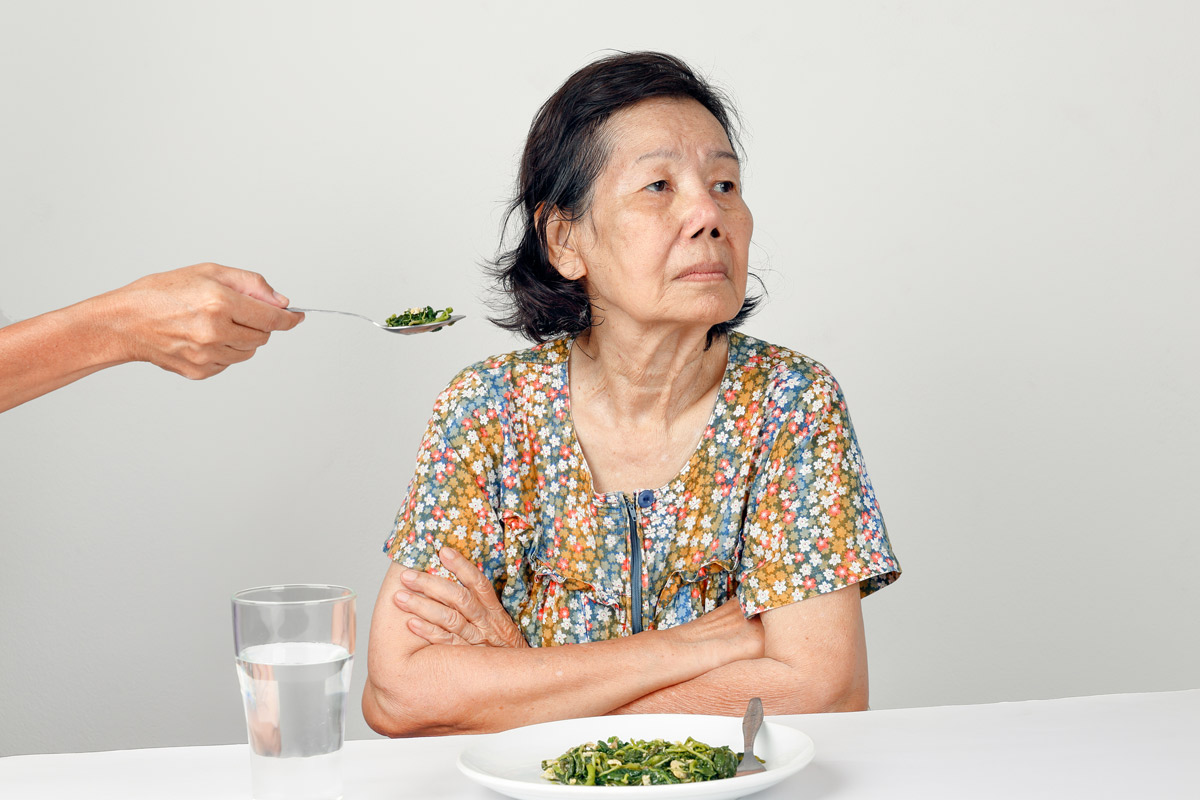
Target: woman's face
667 238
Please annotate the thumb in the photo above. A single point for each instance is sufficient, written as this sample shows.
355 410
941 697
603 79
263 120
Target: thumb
250 284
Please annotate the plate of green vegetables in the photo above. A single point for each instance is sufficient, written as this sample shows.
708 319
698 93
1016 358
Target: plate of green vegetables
656 756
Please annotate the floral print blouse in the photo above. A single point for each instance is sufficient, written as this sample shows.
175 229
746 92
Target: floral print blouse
774 505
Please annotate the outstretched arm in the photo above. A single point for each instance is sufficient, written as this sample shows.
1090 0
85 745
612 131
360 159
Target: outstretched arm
194 321
415 687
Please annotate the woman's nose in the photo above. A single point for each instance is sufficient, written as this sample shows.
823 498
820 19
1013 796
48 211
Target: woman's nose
704 217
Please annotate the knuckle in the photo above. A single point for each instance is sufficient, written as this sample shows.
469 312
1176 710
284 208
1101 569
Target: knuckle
204 329
212 308
197 356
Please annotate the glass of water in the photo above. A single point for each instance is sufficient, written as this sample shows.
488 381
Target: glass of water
294 646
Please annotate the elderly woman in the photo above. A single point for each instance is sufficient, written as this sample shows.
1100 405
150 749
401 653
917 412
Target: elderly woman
648 511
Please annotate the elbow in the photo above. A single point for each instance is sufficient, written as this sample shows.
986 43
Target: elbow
846 690
850 698
824 694
381 711
392 713
401 713
827 698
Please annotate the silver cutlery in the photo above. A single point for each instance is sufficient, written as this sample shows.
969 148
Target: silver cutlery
405 329
750 724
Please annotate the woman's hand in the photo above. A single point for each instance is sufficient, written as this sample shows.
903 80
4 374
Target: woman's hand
467 612
726 623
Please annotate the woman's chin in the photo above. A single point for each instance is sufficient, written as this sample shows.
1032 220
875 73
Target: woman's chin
700 311
715 312
703 322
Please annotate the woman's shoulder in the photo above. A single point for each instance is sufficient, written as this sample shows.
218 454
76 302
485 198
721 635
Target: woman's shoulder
555 351
780 365
499 371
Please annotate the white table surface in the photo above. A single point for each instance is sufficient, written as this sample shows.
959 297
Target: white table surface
1128 746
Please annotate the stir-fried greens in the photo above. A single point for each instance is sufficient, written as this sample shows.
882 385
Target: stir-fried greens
613 762
418 316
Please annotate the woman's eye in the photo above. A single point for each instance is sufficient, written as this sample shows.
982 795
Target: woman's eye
725 186
657 186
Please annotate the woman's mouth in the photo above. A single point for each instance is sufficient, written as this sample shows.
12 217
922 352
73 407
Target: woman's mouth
704 272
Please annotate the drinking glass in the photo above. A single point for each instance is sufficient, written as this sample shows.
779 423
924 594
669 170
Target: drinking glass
294 646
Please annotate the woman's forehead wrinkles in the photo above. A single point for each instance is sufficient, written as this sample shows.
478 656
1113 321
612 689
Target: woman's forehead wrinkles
674 155
662 152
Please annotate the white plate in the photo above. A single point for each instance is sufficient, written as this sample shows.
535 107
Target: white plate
511 762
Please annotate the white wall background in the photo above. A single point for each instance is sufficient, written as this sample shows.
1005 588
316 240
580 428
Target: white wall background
981 216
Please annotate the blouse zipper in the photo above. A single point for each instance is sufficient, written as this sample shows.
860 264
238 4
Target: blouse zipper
635 566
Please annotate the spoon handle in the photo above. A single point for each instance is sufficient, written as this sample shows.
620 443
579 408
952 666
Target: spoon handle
751 723
329 311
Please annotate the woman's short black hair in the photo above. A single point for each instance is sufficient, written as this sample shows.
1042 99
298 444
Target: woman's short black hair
564 155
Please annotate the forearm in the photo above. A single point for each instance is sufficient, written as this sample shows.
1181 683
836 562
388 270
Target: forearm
49 351
815 660
727 689
443 689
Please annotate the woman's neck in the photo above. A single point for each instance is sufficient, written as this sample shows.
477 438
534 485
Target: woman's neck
645 378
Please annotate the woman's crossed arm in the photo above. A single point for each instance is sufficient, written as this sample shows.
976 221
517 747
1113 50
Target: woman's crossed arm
445 658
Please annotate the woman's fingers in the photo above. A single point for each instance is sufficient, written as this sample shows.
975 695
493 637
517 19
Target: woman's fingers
496 625
432 633
467 611
474 582
431 604
448 593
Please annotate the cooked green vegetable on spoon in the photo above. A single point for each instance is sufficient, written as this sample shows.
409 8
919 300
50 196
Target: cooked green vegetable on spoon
418 316
638 762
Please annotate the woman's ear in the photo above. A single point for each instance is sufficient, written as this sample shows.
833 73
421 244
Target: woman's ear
561 249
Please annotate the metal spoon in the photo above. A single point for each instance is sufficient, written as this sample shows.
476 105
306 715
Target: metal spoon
754 715
405 329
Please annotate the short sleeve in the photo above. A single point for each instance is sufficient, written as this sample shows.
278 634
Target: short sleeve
454 491
813 524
